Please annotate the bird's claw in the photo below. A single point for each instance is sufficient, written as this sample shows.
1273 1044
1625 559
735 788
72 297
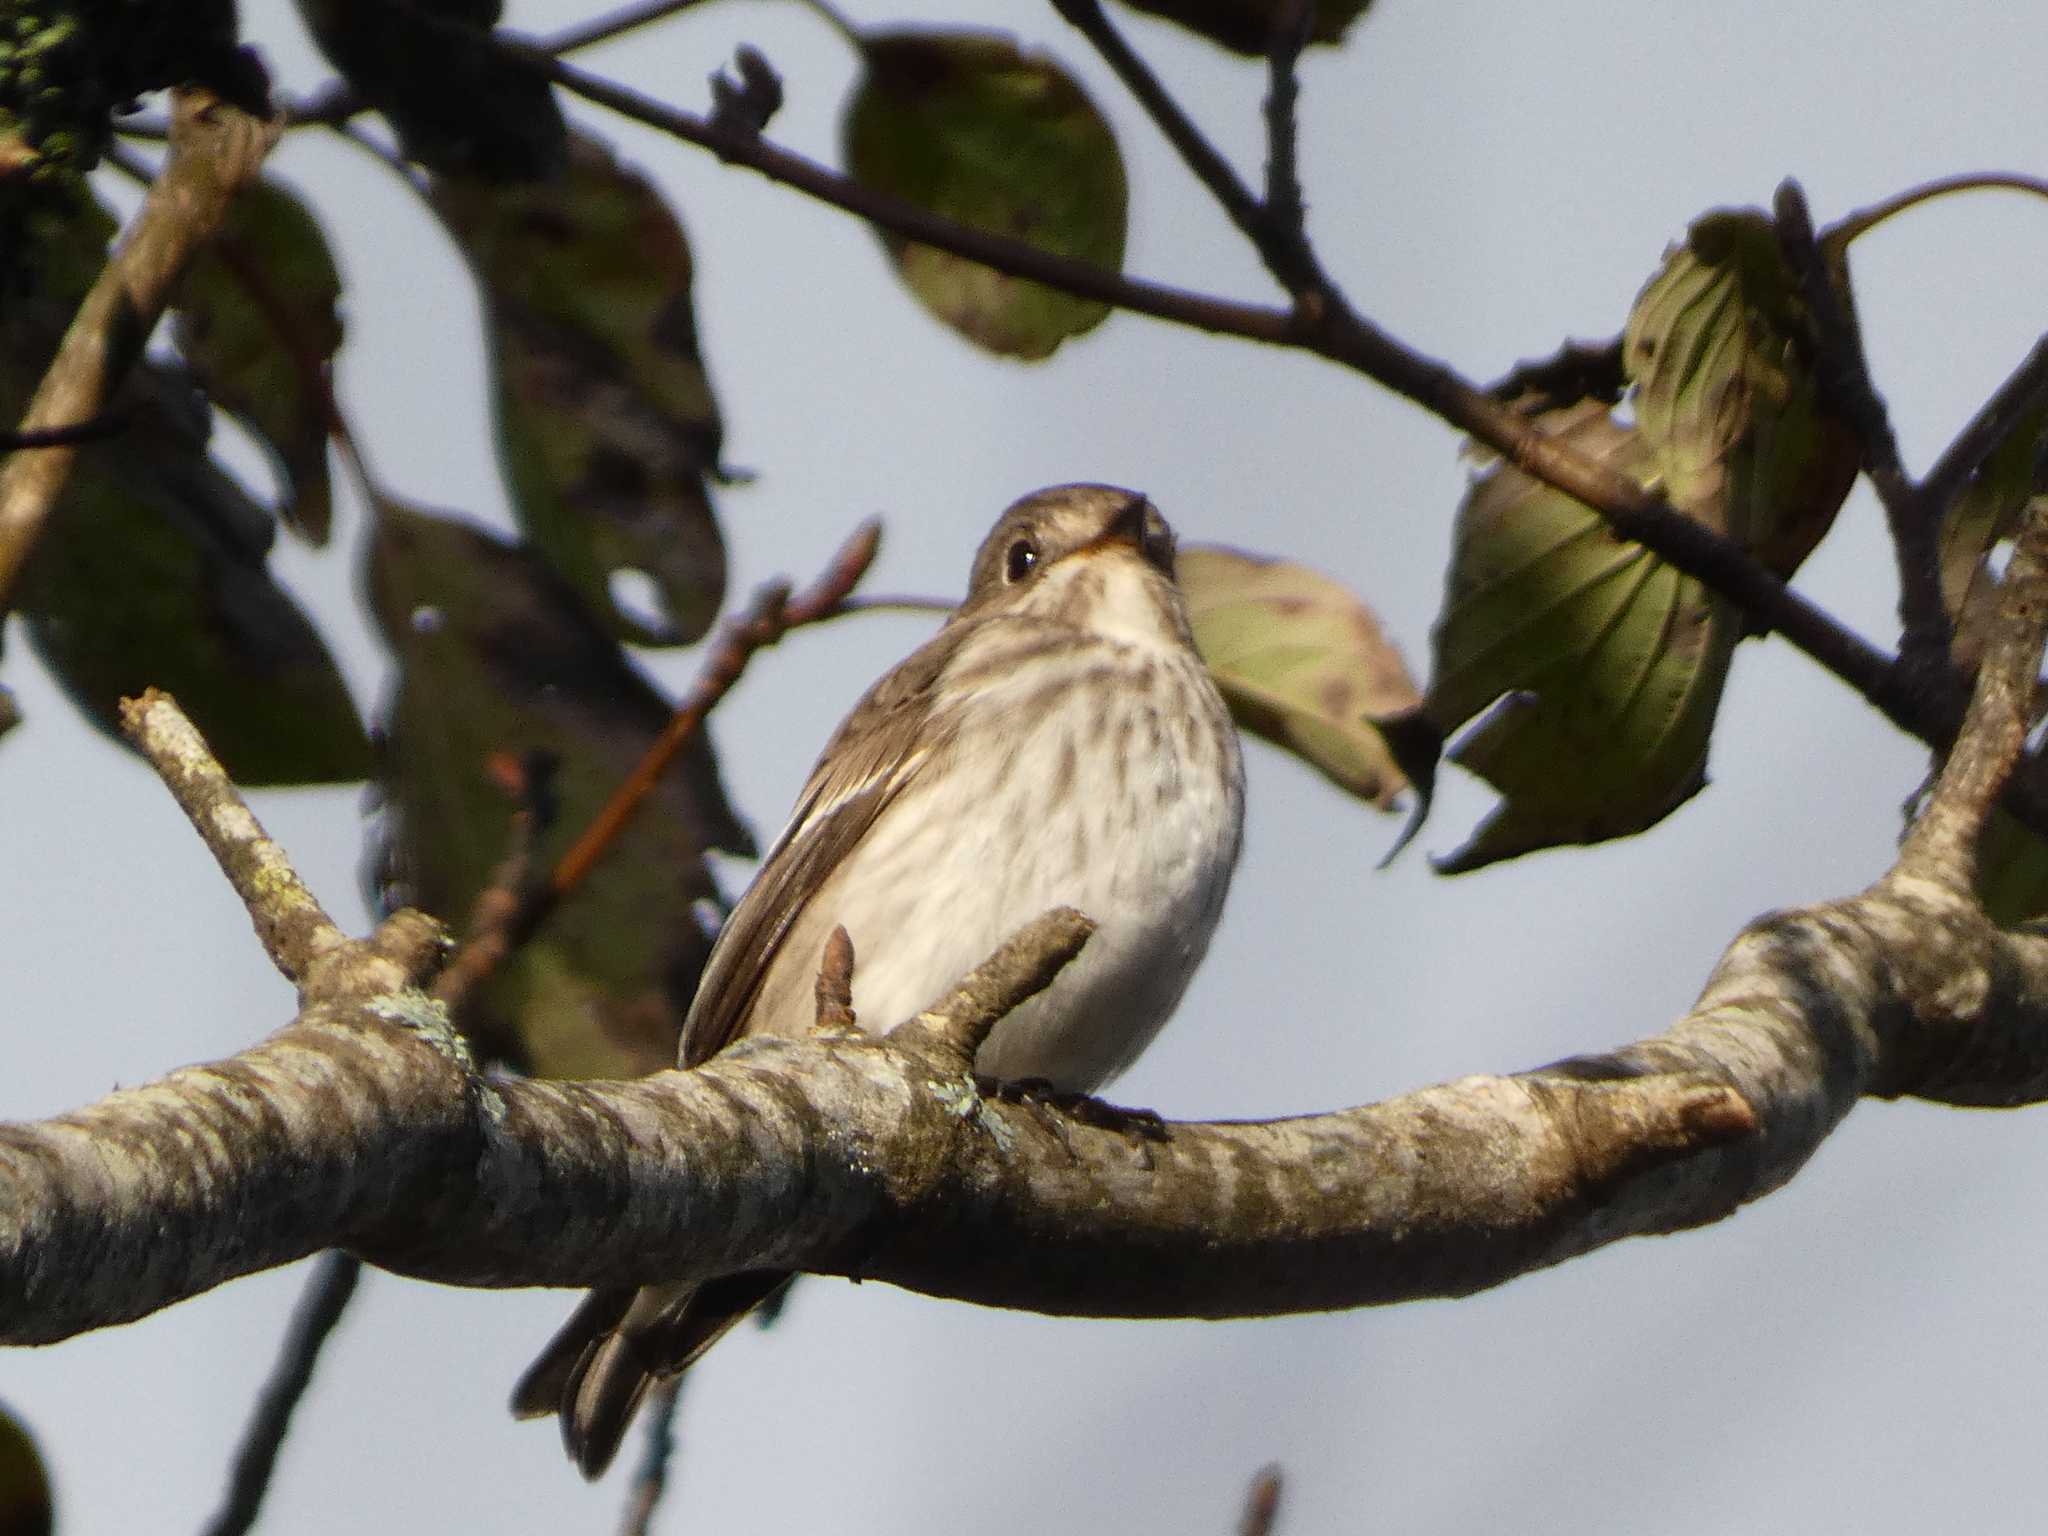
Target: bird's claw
1054 1106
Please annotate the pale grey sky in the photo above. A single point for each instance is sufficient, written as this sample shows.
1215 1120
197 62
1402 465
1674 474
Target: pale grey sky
1861 1351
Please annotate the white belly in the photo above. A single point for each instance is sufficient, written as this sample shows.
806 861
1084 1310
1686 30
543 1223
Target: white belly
1145 850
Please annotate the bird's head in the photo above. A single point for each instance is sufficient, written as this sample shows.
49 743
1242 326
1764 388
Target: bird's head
1095 555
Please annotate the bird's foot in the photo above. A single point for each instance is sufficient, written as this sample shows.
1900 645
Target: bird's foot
1054 1106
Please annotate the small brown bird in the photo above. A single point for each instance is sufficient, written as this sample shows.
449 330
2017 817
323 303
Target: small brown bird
1058 742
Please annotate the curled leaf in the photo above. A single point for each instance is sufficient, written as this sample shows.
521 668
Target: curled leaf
970 126
1302 662
257 317
500 666
607 427
1596 667
1735 430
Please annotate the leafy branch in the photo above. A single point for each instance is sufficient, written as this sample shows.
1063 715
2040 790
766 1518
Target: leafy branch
1925 702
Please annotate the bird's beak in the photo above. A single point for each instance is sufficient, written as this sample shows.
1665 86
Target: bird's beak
1139 526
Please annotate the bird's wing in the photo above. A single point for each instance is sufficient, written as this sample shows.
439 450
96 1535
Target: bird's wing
878 750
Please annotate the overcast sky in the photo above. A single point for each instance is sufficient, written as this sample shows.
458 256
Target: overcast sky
1861 1351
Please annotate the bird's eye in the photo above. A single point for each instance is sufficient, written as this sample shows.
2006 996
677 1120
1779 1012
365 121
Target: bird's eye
1022 557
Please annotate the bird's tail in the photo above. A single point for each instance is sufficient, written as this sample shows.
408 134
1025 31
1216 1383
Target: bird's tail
617 1344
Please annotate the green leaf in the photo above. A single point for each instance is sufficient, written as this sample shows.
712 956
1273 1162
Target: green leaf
607 427
1599 667
25 1505
256 315
152 572
971 127
1302 662
458 104
1736 434
1248 26
497 660
2012 871
67 65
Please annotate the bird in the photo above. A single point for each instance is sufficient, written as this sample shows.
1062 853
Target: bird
1058 742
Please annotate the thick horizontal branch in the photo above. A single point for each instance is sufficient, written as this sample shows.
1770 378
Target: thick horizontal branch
363 1126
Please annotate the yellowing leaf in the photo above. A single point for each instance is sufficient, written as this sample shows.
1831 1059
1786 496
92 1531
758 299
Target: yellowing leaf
1599 667
969 126
1303 663
607 428
1730 416
256 317
1247 26
497 661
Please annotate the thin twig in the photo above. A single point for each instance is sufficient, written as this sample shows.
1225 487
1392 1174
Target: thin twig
1025 965
913 221
1261 1502
1862 219
773 614
215 149
295 931
1338 333
315 377
2024 391
650 1479
1284 214
896 602
1844 377
320 1307
497 912
1943 843
336 102
112 424
1286 257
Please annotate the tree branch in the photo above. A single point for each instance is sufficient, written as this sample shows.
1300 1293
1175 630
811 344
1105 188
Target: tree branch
1261 1502
1927 708
1844 377
508 917
650 1478
2024 391
1334 331
336 102
215 149
295 929
1942 845
1285 210
326 1297
362 1124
